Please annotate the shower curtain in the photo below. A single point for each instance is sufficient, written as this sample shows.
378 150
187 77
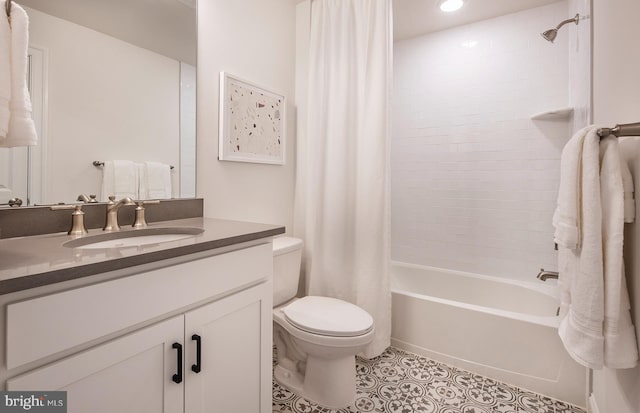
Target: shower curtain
342 188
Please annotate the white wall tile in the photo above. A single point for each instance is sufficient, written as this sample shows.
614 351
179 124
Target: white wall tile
474 180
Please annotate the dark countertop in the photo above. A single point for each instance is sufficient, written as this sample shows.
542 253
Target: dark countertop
35 261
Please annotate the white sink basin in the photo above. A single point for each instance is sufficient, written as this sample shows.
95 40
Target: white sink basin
134 238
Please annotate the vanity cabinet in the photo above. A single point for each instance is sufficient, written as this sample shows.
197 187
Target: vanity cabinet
129 374
193 354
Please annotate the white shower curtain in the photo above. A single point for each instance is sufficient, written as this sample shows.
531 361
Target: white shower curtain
342 189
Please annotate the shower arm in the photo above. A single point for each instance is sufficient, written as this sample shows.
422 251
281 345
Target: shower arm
575 20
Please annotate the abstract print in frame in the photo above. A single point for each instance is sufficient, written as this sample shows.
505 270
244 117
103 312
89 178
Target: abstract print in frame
252 122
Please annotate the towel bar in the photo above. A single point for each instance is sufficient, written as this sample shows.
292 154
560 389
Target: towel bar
626 129
99 164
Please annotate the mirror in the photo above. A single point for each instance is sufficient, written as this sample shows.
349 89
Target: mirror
109 80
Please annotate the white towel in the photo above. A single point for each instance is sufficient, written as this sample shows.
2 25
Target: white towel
620 347
5 194
143 192
5 73
21 130
581 269
120 178
156 181
596 327
629 201
567 219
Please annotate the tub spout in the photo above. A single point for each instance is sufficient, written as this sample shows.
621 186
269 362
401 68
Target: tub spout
544 275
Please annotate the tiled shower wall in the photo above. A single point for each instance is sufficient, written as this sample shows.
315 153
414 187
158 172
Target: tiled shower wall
474 179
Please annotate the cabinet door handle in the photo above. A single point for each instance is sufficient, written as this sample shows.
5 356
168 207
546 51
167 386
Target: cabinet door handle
198 366
177 378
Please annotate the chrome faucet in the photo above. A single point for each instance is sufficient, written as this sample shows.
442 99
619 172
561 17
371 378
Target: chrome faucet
544 275
112 213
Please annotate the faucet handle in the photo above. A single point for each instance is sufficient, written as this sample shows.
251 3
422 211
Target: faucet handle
87 199
15 202
77 219
140 221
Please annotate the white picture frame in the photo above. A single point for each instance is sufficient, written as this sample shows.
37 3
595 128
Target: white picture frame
252 122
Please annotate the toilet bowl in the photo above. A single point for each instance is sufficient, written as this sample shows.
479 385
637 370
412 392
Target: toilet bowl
316 338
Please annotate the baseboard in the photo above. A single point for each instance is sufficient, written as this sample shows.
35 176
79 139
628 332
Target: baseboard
592 404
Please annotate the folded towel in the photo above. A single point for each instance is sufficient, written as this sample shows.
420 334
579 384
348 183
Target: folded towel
21 130
143 192
629 202
581 269
567 218
596 327
119 178
5 73
157 180
5 194
620 347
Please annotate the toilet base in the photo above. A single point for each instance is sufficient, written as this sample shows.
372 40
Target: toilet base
329 382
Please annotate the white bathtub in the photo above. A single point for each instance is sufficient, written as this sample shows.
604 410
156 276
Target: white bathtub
499 328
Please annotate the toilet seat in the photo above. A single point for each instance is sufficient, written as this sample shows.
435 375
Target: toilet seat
328 317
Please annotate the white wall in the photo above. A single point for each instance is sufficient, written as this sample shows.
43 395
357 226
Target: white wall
107 100
616 98
254 40
474 180
580 63
187 130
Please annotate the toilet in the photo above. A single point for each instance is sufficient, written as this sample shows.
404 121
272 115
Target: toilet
316 338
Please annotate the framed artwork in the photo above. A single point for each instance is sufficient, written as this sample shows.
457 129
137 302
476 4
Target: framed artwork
252 122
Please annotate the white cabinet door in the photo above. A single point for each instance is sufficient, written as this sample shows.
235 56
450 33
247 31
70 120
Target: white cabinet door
132 374
236 350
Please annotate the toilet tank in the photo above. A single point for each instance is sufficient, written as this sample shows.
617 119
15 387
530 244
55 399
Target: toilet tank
287 255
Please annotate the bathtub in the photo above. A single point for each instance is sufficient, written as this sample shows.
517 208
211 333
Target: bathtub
500 328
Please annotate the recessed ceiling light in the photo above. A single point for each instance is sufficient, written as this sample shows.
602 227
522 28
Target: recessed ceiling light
451 5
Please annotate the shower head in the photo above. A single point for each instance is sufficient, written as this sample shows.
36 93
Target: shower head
550 35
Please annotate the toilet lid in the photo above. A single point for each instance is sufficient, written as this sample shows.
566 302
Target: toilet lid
328 316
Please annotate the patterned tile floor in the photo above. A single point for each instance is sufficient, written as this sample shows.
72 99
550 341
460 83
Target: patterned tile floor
403 382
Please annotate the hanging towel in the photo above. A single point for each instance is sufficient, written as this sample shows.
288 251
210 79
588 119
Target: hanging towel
21 130
5 194
119 178
143 192
581 268
629 201
596 327
157 180
567 219
620 347
5 73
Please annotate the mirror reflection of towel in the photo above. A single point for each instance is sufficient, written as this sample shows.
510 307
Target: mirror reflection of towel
16 125
119 178
5 194
155 182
